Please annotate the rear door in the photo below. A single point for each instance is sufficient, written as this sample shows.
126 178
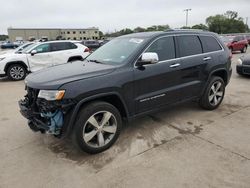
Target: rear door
237 43
157 84
41 59
61 52
193 64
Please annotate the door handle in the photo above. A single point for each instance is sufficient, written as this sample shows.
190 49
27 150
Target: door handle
174 65
207 58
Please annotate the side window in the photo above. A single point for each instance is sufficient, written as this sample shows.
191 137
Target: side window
237 39
164 47
209 44
70 46
58 46
189 45
43 48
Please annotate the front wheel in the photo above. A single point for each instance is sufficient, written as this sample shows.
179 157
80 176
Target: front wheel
213 94
97 127
16 72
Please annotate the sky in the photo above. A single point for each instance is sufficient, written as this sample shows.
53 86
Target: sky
112 15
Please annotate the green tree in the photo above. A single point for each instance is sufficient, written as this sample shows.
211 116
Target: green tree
3 37
226 23
185 27
139 29
200 26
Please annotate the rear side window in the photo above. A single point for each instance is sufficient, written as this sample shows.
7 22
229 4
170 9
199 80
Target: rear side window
209 44
164 47
70 45
189 45
58 46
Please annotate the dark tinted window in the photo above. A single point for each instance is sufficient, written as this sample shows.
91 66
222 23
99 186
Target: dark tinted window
237 39
62 46
58 46
189 45
209 44
70 45
164 47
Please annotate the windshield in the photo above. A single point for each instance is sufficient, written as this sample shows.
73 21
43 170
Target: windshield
22 47
27 49
117 51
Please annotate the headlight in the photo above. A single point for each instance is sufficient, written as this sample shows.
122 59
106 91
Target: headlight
51 95
2 58
239 62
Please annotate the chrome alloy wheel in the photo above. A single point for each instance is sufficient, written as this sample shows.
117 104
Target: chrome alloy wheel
17 72
99 129
216 93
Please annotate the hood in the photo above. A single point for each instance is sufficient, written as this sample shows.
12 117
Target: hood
54 77
11 54
7 52
245 59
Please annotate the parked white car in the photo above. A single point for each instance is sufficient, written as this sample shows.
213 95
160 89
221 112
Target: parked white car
19 49
38 56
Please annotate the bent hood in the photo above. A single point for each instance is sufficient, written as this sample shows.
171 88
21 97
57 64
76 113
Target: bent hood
54 77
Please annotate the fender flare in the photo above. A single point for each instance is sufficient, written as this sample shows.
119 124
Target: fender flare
76 109
15 62
210 75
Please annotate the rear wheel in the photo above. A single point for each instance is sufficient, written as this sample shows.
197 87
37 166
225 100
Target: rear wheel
16 72
244 50
97 127
231 49
213 94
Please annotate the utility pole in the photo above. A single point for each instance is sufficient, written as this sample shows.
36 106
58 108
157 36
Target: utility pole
246 20
187 10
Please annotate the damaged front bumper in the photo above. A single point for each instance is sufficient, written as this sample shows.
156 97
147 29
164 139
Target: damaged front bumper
45 116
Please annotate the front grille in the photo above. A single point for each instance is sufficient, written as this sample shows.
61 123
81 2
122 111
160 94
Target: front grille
246 70
32 95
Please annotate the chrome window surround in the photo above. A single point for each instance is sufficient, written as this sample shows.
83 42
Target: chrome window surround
179 58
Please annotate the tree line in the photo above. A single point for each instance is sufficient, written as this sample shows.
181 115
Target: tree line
228 22
3 37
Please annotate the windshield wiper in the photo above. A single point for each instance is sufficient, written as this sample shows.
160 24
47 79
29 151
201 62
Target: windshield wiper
94 60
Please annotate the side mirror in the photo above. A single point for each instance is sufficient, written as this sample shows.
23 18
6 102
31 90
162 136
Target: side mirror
33 52
148 58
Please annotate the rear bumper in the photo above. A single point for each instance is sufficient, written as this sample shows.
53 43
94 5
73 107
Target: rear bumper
243 69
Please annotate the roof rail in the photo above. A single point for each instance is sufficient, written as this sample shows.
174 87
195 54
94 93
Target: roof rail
169 30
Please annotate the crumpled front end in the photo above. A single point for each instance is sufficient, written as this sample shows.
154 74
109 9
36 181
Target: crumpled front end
44 116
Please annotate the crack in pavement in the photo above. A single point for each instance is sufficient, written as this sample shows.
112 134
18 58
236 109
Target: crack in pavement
219 146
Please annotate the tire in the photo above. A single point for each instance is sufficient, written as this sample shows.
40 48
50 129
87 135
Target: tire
16 72
231 49
244 50
96 137
214 94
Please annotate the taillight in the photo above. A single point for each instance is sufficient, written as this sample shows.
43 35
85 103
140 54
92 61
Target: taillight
87 50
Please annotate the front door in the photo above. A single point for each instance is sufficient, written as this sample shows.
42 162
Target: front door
157 84
41 59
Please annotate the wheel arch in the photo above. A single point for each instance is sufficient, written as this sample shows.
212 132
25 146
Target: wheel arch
75 58
220 73
113 98
14 63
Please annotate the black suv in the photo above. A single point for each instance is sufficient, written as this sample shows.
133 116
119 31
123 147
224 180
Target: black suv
130 76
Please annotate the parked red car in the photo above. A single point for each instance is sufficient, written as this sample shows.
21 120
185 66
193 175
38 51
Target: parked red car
236 43
248 39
